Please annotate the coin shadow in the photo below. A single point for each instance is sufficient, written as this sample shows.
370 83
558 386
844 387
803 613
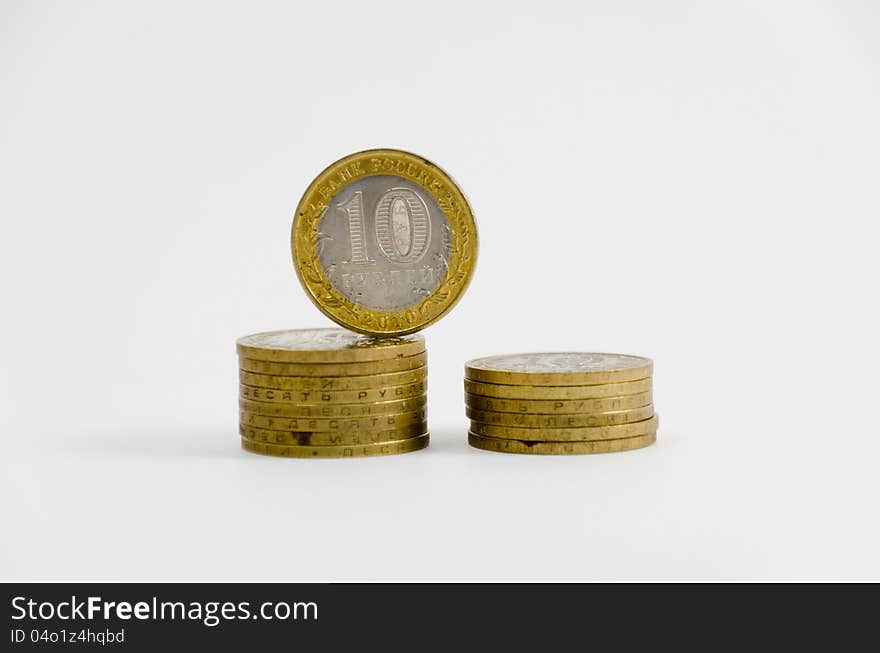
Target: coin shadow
449 440
192 443
211 443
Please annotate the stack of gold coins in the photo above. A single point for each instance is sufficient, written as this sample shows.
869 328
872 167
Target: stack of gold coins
332 393
560 403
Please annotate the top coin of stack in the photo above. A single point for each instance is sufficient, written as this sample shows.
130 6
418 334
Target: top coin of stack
319 393
560 403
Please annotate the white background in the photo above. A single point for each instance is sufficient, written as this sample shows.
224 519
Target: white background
694 182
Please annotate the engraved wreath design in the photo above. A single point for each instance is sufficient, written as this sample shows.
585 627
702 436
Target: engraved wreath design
436 303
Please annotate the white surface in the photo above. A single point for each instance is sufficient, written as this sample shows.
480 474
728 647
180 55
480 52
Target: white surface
695 182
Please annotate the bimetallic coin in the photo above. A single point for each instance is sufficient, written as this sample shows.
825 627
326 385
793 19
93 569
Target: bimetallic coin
305 383
558 406
338 451
351 424
560 448
301 397
561 368
323 438
562 421
329 410
384 242
556 392
334 369
580 434
326 346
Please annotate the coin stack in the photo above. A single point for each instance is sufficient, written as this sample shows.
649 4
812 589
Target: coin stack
560 403
332 393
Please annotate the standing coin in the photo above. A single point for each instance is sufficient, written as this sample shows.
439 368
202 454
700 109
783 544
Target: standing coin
581 434
556 392
334 369
326 346
600 446
341 451
557 406
562 368
384 242
329 410
561 421
305 383
301 397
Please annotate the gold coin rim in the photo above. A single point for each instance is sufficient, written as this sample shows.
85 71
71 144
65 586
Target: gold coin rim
459 271
324 423
519 378
415 389
335 410
379 350
406 445
542 406
498 445
595 391
576 434
325 438
533 420
362 368
315 383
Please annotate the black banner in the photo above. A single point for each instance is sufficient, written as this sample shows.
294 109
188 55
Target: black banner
287 616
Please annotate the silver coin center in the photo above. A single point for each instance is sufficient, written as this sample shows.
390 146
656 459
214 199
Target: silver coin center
383 242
